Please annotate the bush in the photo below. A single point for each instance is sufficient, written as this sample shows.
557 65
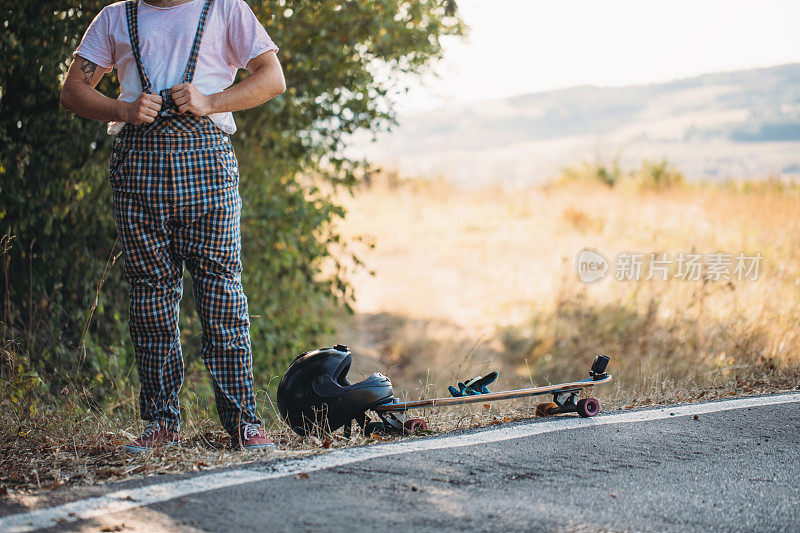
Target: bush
600 173
61 265
658 175
651 175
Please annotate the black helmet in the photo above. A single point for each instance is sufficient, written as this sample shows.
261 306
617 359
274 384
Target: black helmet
315 390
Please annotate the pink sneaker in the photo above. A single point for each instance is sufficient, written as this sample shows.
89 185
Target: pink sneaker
251 437
152 437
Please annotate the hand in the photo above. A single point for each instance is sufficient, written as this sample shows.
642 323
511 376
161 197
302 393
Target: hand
189 99
142 110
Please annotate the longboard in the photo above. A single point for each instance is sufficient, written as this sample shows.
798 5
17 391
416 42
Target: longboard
565 400
558 388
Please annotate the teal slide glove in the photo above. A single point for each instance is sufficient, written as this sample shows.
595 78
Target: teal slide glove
474 386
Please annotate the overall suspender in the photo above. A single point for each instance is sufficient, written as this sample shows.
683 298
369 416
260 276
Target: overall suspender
168 106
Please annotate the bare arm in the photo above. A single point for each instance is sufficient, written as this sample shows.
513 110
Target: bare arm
80 96
264 83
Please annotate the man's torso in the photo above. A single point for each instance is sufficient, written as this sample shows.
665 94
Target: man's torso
165 42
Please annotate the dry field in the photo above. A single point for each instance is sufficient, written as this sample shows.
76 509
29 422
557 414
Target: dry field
467 281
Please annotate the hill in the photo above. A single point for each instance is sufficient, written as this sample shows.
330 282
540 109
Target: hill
742 124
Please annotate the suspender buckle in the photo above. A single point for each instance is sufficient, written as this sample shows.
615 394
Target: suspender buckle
166 100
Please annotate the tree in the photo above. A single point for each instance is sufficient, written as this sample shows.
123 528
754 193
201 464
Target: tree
55 204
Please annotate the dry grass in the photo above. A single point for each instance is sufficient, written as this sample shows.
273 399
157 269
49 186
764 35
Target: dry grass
468 281
64 442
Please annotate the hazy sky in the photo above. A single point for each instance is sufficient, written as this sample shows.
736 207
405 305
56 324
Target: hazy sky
521 46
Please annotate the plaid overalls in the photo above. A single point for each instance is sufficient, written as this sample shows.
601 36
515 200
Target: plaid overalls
176 200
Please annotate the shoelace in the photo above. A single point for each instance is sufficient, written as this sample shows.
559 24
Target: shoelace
151 428
250 430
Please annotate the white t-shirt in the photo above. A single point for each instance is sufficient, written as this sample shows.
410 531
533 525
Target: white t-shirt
231 38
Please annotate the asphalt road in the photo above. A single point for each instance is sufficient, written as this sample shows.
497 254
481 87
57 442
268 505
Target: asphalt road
736 470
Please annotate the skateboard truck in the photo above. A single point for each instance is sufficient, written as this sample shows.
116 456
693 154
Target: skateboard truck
566 401
399 422
390 422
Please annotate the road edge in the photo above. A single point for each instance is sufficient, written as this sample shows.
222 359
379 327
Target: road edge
126 499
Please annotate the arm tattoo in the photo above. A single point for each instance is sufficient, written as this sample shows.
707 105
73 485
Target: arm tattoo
88 68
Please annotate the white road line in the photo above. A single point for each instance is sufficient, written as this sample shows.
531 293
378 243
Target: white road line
123 500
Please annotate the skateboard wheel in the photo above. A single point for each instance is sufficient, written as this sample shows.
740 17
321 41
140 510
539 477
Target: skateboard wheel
543 409
588 407
415 424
